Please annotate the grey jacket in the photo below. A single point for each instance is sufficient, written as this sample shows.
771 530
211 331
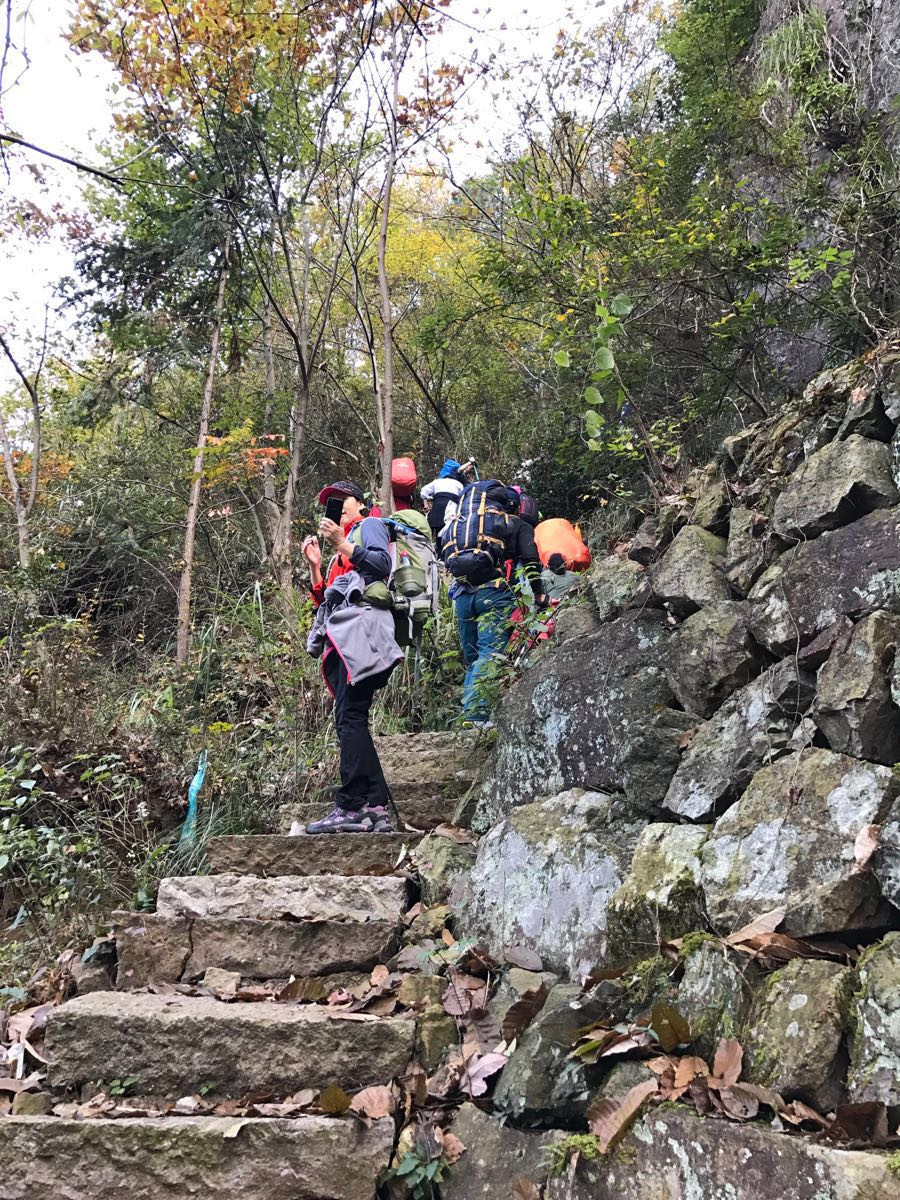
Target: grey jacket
362 635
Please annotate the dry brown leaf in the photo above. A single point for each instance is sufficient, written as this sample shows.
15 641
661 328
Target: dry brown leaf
766 923
522 1012
728 1061
233 1128
379 975
452 1146
863 1124
525 1189
334 1100
462 837
859 394
522 956
479 1069
684 742
374 1102
867 842
737 1103
608 1119
482 1032
797 1112
447 938
22 1026
687 1068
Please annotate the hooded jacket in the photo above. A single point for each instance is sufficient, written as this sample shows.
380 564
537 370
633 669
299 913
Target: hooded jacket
363 636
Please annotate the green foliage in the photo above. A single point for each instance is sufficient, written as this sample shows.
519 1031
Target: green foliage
561 1153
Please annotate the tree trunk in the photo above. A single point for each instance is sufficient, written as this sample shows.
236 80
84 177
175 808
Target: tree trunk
183 640
384 399
18 503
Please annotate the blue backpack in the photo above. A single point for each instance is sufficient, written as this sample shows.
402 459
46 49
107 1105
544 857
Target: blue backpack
474 541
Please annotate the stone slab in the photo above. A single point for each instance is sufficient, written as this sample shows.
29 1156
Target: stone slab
171 1045
675 1155
496 1157
298 897
311 1158
155 949
419 813
322 854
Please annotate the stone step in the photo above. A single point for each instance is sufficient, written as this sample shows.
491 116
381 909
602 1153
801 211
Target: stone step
173 1045
324 854
357 898
426 772
144 1158
154 949
672 1154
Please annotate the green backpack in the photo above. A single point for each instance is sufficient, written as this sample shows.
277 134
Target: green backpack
412 591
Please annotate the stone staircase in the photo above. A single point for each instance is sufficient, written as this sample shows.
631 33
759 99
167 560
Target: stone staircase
428 774
273 906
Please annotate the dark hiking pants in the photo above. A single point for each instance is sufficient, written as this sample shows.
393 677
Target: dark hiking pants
362 779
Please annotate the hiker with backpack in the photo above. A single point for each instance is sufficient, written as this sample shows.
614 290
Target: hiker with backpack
356 641
441 495
476 543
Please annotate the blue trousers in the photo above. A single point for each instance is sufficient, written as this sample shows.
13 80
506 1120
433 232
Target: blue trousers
484 629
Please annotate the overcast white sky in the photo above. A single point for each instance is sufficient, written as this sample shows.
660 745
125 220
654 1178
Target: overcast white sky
61 102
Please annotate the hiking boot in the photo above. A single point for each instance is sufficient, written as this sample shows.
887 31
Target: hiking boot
370 818
482 723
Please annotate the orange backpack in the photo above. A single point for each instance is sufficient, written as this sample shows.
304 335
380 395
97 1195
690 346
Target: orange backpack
559 536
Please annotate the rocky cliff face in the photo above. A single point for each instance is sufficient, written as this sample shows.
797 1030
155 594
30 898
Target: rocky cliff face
719 742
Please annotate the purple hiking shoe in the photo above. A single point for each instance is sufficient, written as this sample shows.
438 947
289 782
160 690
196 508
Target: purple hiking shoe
371 818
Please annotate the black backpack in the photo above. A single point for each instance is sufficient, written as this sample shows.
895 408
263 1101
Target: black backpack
474 542
528 510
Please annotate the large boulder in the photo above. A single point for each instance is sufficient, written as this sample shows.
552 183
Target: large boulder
795 1034
650 753
714 993
712 507
749 551
613 582
835 486
875 1046
544 876
711 654
789 842
854 569
561 723
660 898
752 727
496 1157
691 573
671 1154
854 707
443 866
542 1080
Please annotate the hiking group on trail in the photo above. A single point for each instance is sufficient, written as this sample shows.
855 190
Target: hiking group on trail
382 584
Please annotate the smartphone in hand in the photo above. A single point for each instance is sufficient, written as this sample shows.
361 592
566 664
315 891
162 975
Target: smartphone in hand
334 507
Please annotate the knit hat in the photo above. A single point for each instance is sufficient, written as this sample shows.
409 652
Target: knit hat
343 487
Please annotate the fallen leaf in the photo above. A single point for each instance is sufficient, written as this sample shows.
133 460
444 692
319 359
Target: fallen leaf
23 1025
462 837
797 1112
687 1068
669 1026
766 923
521 956
334 1100
374 1102
452 1146
524 1189
608 1119
684 742
233 1129
379 975
21 1085
482 1032
523 1011
737 1103
858 394
187 1106
867 842
447 938
478 1070
728 1061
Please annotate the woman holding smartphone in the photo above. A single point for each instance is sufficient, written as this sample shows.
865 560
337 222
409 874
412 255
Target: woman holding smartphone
359 652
